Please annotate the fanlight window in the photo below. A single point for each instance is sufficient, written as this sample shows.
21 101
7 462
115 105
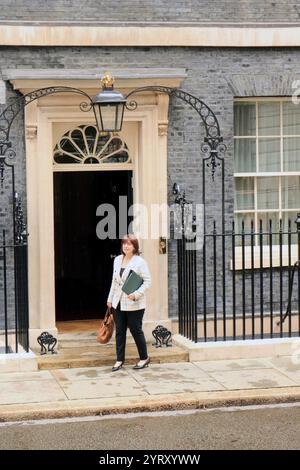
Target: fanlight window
85 144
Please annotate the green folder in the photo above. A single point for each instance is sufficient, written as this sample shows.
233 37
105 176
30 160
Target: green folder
132 283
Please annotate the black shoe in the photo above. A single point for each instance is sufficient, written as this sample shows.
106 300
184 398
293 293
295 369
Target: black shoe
115 368
146 364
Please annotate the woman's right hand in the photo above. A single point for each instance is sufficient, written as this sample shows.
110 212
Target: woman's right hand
109 304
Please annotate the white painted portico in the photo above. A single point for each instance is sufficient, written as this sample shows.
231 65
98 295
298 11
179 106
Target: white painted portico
144 131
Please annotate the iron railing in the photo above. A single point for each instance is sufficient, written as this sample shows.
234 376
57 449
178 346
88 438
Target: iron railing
13 296
242 284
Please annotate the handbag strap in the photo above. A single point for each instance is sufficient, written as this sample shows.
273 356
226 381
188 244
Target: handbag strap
108 313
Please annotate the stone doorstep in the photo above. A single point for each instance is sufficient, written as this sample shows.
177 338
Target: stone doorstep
180 401
85 355
103 355
83 341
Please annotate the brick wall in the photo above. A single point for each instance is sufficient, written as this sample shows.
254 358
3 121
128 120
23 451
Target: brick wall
155 10
214 75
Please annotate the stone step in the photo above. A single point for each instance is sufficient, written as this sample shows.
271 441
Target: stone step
102 355
84 340
81 334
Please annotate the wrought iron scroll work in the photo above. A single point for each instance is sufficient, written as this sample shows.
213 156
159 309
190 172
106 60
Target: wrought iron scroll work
6 120
8 115
213 145
46 339
20 226
162 336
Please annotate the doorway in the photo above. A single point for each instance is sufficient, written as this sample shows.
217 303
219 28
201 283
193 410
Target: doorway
83 262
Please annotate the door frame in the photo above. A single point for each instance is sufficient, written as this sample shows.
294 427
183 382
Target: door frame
149 172
126 181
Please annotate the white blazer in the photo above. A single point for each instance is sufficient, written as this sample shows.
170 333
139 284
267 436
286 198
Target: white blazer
116 295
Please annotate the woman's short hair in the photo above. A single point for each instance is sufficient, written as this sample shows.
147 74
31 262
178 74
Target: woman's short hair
133 240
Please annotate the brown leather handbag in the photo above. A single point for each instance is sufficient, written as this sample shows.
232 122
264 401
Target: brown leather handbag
107 326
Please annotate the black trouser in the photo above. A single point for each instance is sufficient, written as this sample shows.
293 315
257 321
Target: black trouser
133 320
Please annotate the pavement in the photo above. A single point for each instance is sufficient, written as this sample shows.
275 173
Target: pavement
90 391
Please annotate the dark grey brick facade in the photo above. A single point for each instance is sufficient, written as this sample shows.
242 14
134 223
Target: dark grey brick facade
214 75
155 10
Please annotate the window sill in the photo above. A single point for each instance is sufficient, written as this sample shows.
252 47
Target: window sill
265 258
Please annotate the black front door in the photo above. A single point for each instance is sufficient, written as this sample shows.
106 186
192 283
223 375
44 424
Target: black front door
83 262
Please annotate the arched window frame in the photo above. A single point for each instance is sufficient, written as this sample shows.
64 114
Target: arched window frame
84 153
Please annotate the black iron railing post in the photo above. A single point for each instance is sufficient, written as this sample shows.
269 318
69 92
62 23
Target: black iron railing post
252 241
214 235
290 273
223 251
233 279
280 279
194 281
186 267
179 281
204 283
5 291
243 279
298 240
271 276
261 278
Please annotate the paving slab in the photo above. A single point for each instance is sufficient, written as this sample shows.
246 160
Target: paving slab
105 387
33 391
25 376
133 404
233 364
155 387
254 378
289 366
174 378
85 373
97 390
170 371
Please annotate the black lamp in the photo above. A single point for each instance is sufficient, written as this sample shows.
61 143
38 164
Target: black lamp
108 106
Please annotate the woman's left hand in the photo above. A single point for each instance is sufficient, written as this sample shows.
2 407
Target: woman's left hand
131 297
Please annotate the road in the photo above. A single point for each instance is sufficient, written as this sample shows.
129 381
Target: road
266 427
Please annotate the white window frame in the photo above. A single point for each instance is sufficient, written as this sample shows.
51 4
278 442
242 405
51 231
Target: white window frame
86 153
255 211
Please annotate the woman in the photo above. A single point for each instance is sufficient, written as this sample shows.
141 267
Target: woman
128 310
